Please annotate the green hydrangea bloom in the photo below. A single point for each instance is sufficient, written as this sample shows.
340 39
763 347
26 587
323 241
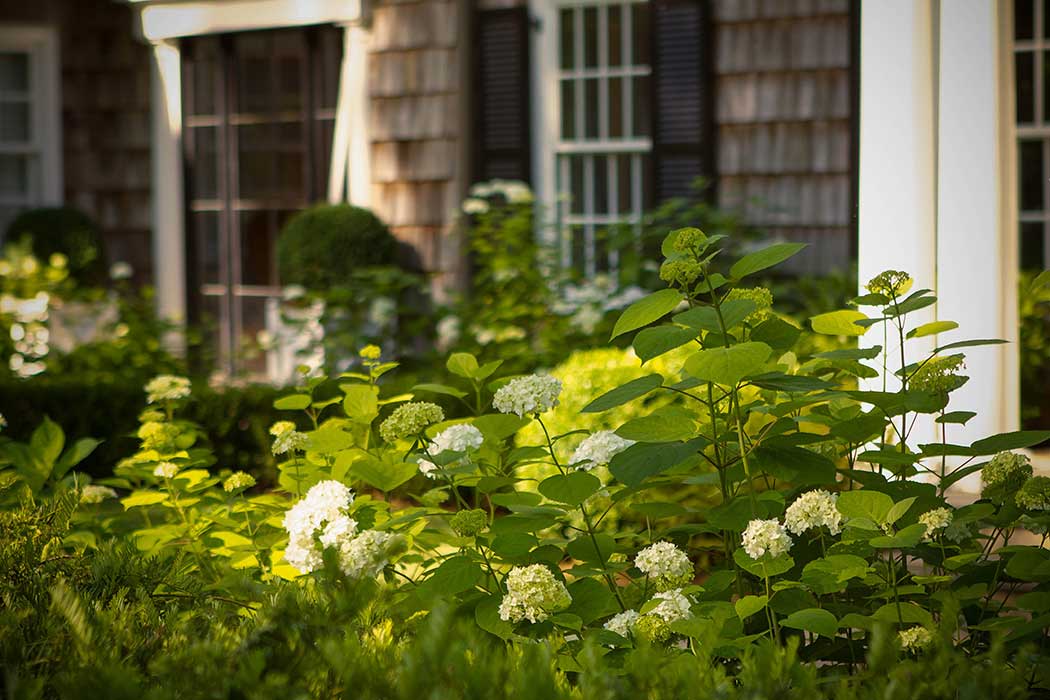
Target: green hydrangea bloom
410 419
1035 494
469 523
680 271
762 298
939 375
1006 472
687 240
891 283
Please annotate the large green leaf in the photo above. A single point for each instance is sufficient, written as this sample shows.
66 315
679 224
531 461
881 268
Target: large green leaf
646 310
653 342
832 573
763 567
637 462
728 365
839 323
47 442
361 402
763 259
74 455
442 389
1010 441
292 402
865 504
749 605
383 475
144 498
706 318
573 488
776 333
815 620
462 364
624 393
591 600
486 614
796 465
932 328
663 425
455 575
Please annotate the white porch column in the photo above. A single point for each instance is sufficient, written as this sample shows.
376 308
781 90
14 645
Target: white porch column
976 247
169 243
897 171
350 176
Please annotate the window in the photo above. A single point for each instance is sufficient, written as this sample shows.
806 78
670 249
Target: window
259 113
1032 67
30 145
595 145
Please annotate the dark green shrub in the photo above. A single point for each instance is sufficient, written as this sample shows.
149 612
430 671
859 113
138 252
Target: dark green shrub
70 232
323 246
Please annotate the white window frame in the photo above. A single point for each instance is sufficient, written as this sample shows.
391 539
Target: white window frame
548 144
1039 127
40 42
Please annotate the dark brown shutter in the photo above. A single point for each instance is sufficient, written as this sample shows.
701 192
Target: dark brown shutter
683 99
501 69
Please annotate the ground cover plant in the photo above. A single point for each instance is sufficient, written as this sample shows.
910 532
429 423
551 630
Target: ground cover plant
810 548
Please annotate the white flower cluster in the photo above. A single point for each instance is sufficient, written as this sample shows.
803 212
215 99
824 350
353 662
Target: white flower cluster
599 448
238 481
166 470
623 623
93 493
814 509
673 606
533 593
321 520
766 537
915 638
286 438
535 393
514 191
935 521
167 387
665 564
455 438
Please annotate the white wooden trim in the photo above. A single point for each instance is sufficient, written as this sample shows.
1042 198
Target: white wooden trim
169 19
169 233
350 175
41 43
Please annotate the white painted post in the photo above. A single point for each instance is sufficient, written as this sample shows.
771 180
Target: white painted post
897 171
977 274
169 244
350 176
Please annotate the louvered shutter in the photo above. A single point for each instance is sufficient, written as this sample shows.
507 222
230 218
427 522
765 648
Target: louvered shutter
501 70
683 99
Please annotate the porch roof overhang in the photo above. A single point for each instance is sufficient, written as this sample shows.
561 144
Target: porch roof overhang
159 20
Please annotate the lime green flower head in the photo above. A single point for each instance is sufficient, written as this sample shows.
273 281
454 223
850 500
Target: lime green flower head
1035 494
1005 474
680 271
370 352
891 283
238 481
469 523
688 240
939 375
762 298
410 419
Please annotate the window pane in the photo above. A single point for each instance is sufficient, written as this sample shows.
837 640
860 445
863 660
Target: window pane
575 191
14 176
291 161
204 73
1032 245
257 247
590 37
591 108
330 54
1046 19
615 34
253 72
568 38
14 71
601 185
14 122
1025 87
290 80
1046 94
642 107
568 109
615 108
204 169
253 322
1023 19
579 247
640 29
254 161
1031 175
209 253
623 187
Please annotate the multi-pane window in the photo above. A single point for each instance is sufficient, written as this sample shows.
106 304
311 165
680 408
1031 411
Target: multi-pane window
29 167
1032 69
604 138
258 124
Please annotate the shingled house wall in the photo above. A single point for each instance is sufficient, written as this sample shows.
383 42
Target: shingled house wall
105 96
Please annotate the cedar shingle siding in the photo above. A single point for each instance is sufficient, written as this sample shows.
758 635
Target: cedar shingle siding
783 114
105 96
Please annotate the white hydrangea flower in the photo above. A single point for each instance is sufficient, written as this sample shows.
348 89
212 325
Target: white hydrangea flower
457 438
120 270
936 521
533 593
766 537
238 480
814 509
622 624
473 205
286 438
673 606
535 393
428 468
93 493
915 638
366 555
664 563
167 387
598 448
321 514
166 470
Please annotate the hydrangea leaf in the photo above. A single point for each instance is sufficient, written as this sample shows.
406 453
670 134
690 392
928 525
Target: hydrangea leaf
293 402
815 620
839 323
764 259
646 310
624 393
728 365
653 342
749 605
572 489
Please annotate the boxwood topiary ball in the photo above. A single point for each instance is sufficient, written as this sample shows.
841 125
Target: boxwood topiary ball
321 246
68 231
